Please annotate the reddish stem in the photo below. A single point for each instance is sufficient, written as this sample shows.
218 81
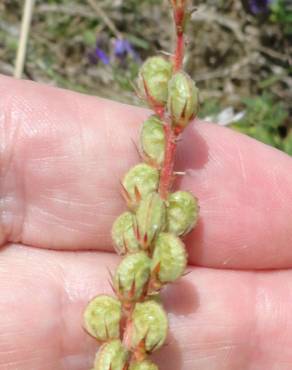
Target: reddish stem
179 52
166 175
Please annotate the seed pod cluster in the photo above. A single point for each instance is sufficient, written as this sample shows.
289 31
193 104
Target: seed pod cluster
148 235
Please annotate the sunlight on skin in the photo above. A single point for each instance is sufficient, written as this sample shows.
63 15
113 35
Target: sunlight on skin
219 319
62 155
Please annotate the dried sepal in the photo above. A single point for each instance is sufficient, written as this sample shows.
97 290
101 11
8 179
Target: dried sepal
179 4
102 318
111 356
138 182
123 234
181 14
153 80
153 141
182 212
148 329
183 99
132 276
169 259
151 219
143 365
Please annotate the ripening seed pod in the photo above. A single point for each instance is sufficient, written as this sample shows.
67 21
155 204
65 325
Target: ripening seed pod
151 218
182 212
183 99
123 234
111 356
153 140
132 276
138 182
149 327
153 80
169 259
102 318
144 365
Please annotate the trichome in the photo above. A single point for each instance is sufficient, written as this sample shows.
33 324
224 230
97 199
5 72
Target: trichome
133 323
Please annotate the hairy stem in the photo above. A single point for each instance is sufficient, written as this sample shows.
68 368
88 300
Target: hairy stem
148 235
179 52
166 175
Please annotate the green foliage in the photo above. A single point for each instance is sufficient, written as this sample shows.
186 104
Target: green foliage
266 117
124 75
64 34
135 5
210 107
265 120
282 13
287 143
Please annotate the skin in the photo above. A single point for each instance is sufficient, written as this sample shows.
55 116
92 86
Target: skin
62 155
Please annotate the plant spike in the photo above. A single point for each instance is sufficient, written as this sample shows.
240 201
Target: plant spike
134 324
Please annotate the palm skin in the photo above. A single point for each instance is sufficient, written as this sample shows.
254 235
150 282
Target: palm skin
62 155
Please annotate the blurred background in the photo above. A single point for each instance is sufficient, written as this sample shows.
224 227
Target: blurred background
239 52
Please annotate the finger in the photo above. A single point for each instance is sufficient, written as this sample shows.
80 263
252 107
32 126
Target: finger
219 319
63 155
245 193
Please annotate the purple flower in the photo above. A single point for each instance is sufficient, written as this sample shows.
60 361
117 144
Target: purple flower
259 6
123 48
101 55
97 55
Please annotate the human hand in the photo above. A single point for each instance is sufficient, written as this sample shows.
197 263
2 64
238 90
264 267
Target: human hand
62 155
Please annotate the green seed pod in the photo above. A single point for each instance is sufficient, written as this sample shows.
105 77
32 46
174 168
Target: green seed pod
149 327
123 234
153 79
132 276
140 181
183 99
144 365
182 212
153 140
151 219
102 318
111 356
169 258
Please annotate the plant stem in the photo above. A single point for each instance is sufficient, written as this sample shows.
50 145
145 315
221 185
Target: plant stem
166 175
24 32
179 52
